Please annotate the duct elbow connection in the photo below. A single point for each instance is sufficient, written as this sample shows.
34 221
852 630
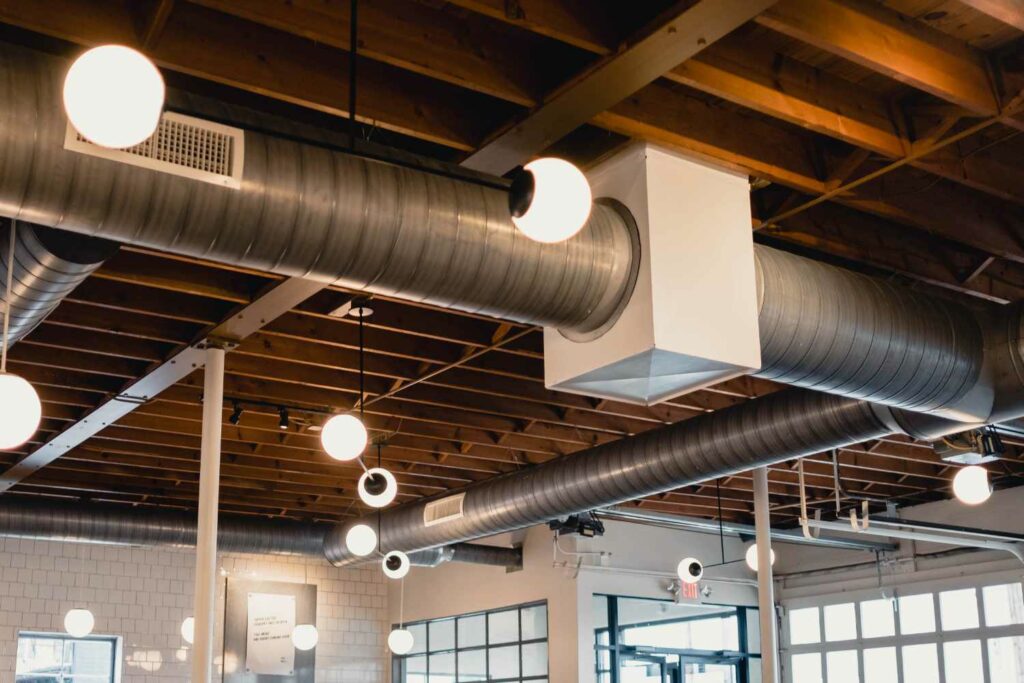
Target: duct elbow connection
48 265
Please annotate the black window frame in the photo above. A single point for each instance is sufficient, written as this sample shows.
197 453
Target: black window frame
398 660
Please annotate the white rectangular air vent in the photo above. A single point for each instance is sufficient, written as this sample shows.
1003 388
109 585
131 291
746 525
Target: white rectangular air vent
182 145
445 510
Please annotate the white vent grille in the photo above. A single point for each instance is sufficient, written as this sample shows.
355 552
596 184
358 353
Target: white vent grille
445 510
182 145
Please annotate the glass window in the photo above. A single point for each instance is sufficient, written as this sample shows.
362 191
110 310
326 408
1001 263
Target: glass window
877 619
804 627
479 647
807 668
472 630
840 623
503 627
1004 605
917 614
473 665
503 662
880 665
54 659
962 662
442 635
753 631
535 622
959 609
419 637
1006 659
923 661
842 666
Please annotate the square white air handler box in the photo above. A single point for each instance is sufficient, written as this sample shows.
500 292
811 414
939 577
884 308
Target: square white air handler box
692 319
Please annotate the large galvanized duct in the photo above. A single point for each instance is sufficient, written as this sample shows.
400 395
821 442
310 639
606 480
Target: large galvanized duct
116 525
48 265
313 212
833 330
772 429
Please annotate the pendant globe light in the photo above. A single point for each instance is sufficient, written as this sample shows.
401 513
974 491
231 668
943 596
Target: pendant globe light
396 564
114 96
305 637
79 622
344 437
188 630
20 409
550 200
400 640
751 557
971 485
361 540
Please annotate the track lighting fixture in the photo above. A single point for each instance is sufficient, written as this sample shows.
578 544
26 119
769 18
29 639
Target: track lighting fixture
396 564
550 200
236 413
971 485
282 422
114 96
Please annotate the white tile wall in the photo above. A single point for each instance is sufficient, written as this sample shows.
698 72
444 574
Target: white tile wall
143 595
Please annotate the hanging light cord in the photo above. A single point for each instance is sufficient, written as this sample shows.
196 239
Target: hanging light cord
7 297
353 47
721 527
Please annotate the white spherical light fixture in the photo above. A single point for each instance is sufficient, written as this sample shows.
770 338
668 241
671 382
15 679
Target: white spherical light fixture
20 410
690 570
114 96
400 641
395 564
305 637
377 487
188 630
751 557
971 485
79 622
344 437
550 200
361 540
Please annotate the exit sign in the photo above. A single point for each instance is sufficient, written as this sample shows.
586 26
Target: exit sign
689 591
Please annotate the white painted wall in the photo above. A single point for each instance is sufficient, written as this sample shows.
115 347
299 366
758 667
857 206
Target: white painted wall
143 594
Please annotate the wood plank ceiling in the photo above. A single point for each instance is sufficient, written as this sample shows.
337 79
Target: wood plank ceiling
884 136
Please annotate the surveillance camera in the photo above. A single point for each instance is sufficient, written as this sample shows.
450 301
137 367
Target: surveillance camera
690 570
396 564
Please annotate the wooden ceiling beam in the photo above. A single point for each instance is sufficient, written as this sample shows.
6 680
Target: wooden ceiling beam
881 39
1009 12
687 28
207 44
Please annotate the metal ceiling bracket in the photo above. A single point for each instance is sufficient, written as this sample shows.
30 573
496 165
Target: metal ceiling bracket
809 533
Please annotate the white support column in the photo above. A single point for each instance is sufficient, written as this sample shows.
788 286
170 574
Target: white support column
209 498
765 579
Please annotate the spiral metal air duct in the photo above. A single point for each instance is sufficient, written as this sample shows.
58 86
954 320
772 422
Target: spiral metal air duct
48 265
116 525
310 211
764 431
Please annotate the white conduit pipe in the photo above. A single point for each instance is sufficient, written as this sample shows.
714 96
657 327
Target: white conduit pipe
765 580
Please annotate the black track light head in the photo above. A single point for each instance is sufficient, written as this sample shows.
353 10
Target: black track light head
283 422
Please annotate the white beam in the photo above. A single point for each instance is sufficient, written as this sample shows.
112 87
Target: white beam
209 499
765 579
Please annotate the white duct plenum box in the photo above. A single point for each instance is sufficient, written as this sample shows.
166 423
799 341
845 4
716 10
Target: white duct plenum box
692 319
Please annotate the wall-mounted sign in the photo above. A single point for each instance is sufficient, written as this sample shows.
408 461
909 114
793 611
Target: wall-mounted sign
271 620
